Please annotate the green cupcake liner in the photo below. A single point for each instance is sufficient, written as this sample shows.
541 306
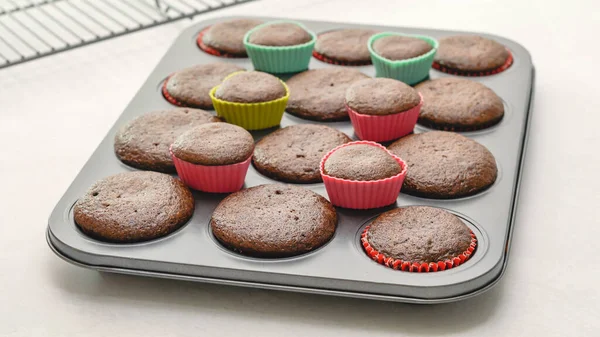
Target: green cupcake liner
410 71
278 60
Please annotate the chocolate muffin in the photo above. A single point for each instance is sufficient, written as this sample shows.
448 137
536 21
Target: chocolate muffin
457 104
190 87
381 96
251 87
470 55
279 35
344 46
134 206
293 154
396 47
319 94
444 165
227 38
418 235
274 221
144 142
214 144
362 162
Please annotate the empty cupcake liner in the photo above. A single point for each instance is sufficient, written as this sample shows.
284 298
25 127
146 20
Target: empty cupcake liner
385 127
278 60
251 116
410 71
212 179
211 50
509 61
358 194
412 266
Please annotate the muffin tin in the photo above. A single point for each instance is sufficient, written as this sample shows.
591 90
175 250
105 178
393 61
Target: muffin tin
341 267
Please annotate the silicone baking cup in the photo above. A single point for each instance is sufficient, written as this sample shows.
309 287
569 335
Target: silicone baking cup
212 179
211 50
410 71
412 266
359 194
280 59
251 116
386 127
509 61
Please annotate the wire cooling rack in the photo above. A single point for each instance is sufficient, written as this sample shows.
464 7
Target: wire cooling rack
30 29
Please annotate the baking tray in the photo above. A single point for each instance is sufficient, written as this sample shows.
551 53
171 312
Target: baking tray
340 267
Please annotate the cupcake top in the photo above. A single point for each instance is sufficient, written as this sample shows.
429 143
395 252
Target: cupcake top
396 47
458 104
419 234
274 221
470 53
381 96
190 86
345 45
361 162
134 206
228 36
250 87
293 154
319 94
279 35
214 144
144 142
444 165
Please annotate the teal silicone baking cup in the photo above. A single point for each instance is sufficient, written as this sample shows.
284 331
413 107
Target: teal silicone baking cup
278 60
410 71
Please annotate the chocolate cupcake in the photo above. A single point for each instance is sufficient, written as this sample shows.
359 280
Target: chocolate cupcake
418 239
213 157
319 94
362 175
278 221
280 47
253 100
457 104
226 39
397 47
293 154
382 109
144 142
445 165
344 47
190 87
133 207
470 55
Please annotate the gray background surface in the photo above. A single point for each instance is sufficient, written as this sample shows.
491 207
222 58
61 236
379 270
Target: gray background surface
551 284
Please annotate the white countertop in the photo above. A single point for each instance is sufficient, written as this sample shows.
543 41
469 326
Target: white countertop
54 112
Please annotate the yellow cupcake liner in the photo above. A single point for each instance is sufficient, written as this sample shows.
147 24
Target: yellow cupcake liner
251 116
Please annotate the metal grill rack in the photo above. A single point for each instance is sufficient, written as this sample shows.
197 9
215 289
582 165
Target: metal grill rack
30 29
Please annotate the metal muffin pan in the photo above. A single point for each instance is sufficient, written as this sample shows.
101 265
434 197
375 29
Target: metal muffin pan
340 267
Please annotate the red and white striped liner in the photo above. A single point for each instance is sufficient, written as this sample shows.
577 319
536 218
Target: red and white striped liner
213 51
383 128
358 194
417 267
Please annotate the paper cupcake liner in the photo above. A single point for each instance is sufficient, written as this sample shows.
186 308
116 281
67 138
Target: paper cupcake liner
278 60
509 61
326 59
251 116
387 127
213 179
363 194
458 128
410 71
211 50
412 266
168 96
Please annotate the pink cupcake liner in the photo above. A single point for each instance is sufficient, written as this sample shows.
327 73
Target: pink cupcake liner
387 127
363 194
212 179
